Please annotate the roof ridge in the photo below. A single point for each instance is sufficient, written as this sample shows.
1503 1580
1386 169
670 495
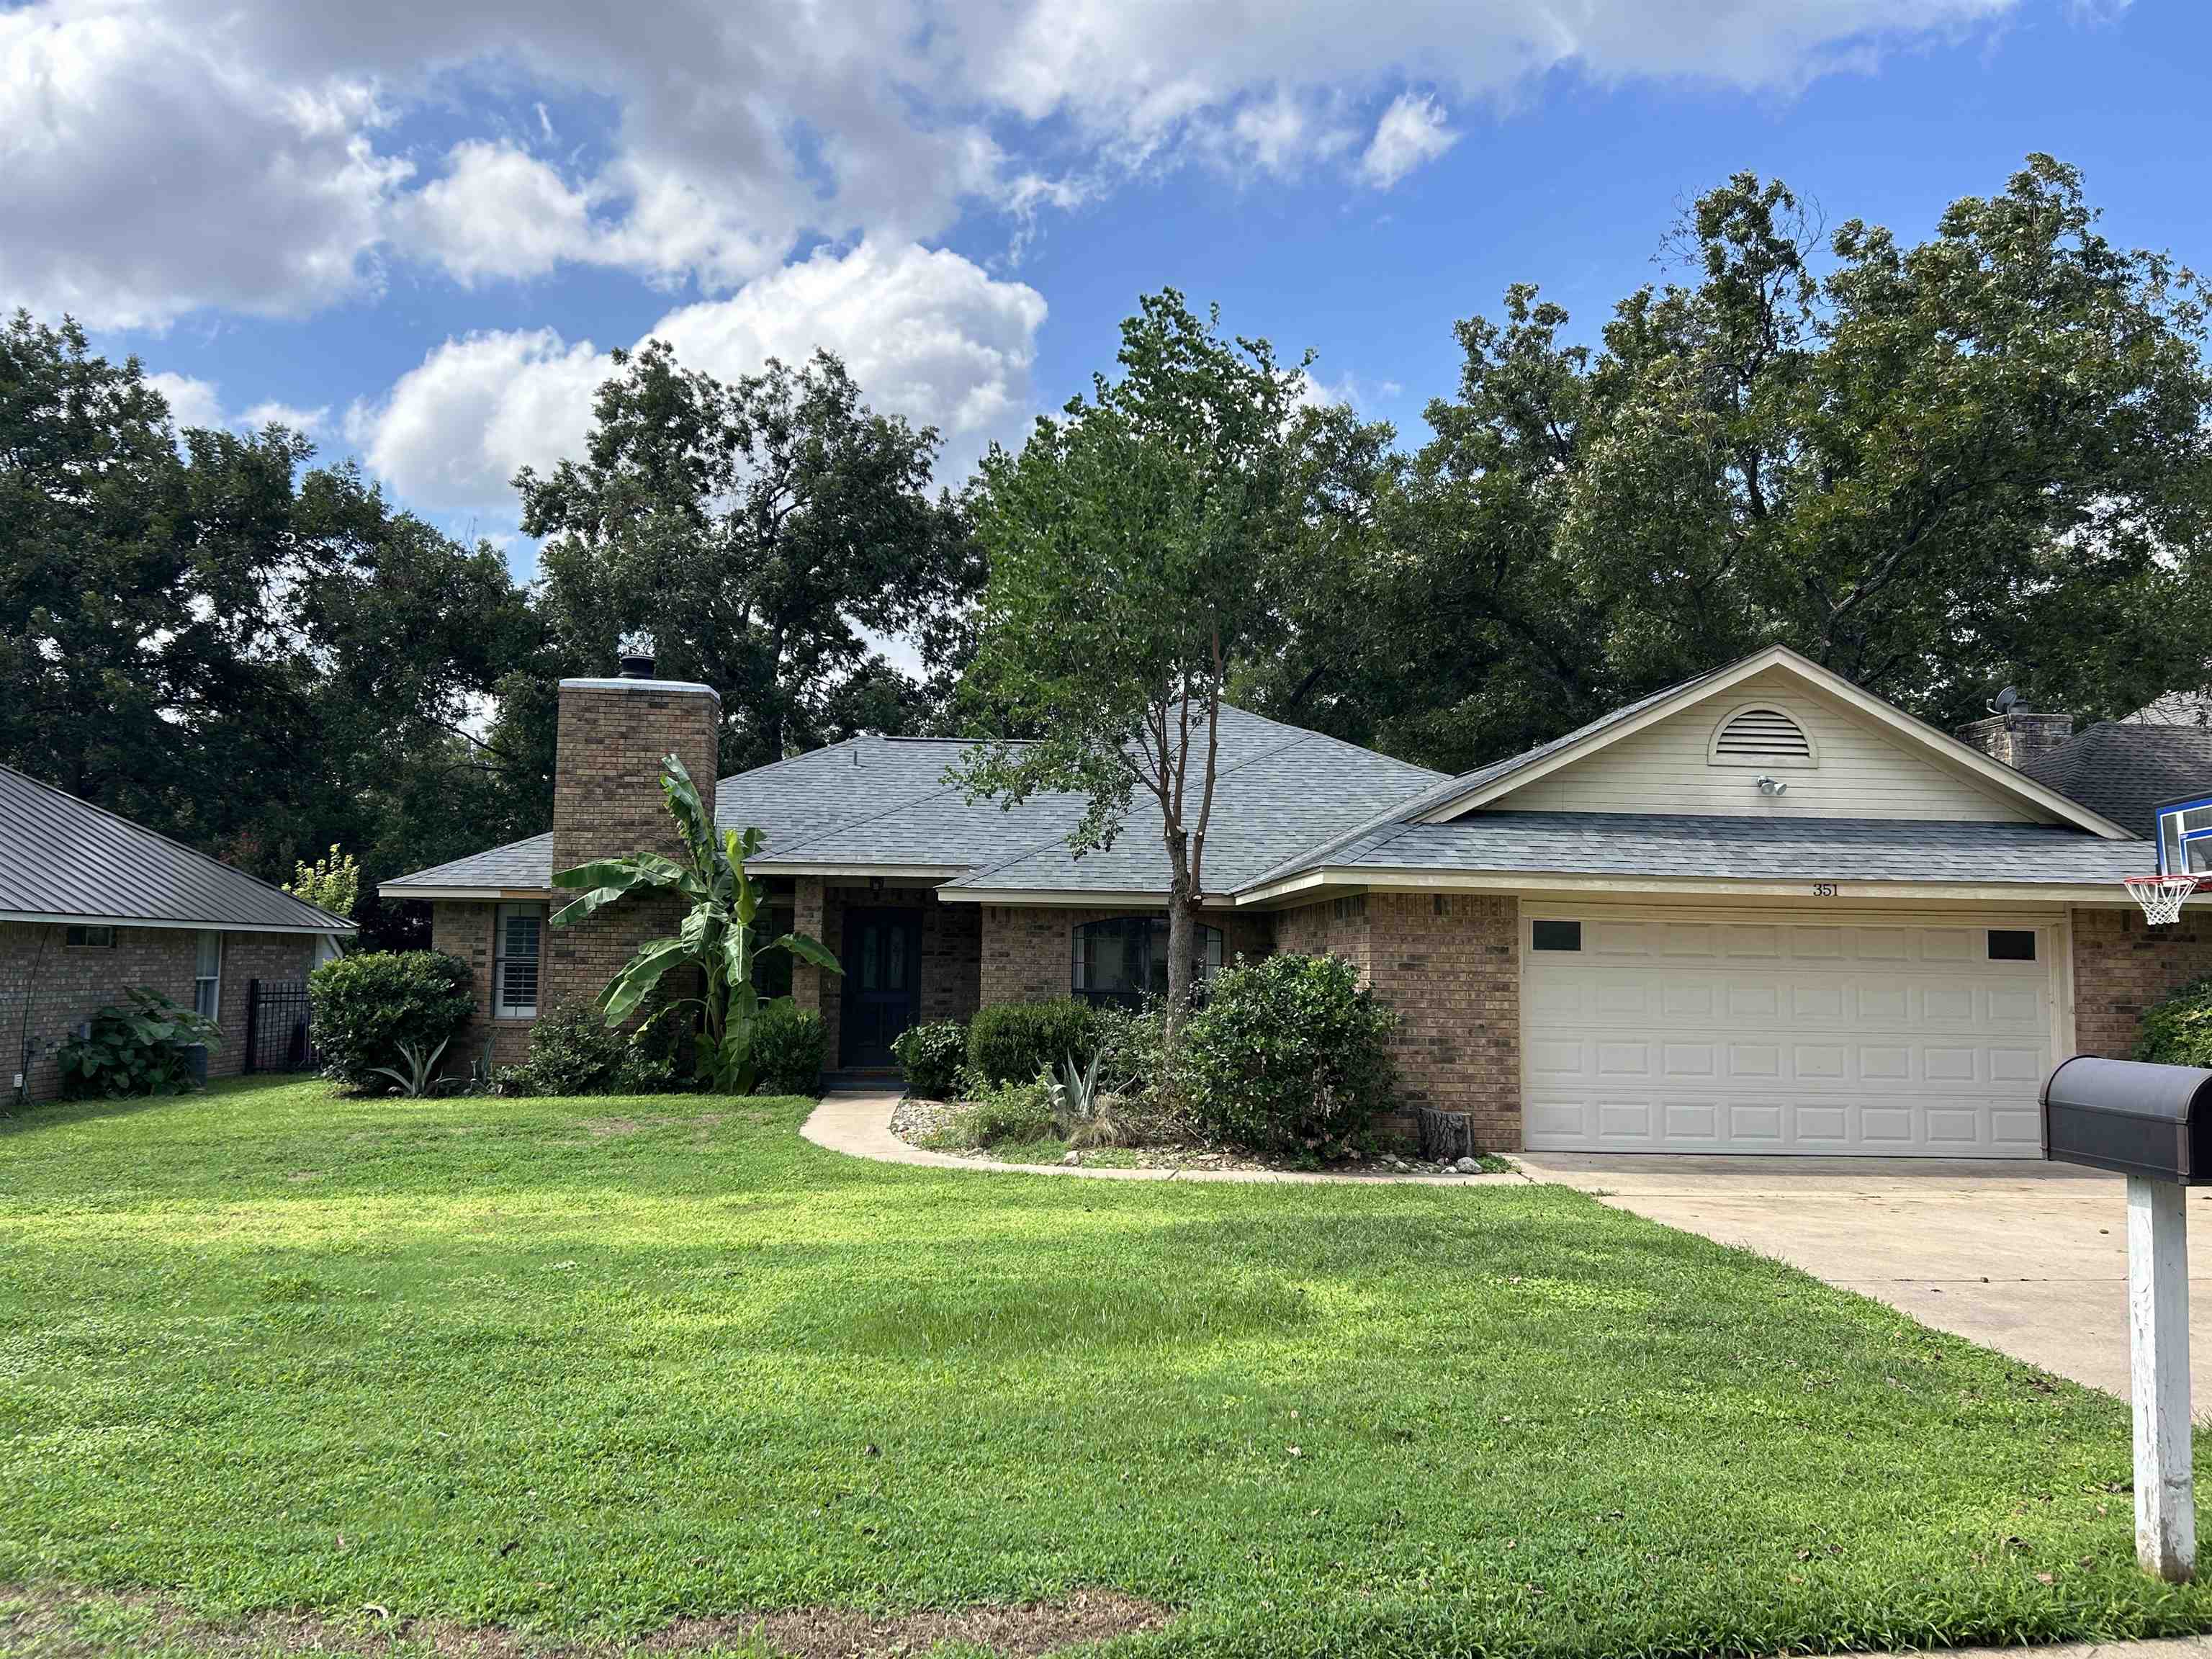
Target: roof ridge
170 841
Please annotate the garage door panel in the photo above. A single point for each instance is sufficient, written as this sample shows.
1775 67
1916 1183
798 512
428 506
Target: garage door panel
1898 1039
1886 1005
1762 1061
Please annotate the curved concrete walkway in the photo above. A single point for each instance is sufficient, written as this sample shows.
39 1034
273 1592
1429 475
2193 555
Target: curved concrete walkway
860 1125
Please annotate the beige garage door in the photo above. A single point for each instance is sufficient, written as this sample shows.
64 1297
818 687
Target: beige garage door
1904 1038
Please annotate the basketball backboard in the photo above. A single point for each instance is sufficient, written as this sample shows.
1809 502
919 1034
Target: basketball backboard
2184 836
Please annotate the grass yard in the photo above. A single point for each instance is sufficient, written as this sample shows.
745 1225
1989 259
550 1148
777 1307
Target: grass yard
579 1370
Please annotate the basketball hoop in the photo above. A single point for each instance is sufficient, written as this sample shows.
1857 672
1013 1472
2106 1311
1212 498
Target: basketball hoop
2161 896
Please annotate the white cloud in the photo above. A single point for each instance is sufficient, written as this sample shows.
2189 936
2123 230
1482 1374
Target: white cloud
454 429
160 157
1412 133
496 212
147 169
927 335
192 402
310 422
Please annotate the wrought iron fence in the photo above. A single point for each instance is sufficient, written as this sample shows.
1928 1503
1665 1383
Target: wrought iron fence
279 1036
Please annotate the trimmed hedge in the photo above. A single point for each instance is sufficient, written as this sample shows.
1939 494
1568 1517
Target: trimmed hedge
365 1006
1288 1054
2179 1031
787 1050
931 1056
1012 1041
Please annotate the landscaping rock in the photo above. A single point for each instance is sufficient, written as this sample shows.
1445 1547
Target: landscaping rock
1467 1166
1072 1157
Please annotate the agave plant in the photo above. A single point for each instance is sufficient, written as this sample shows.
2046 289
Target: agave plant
717 936
420 1080
1082 1111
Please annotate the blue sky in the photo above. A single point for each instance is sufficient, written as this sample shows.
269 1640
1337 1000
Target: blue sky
417 230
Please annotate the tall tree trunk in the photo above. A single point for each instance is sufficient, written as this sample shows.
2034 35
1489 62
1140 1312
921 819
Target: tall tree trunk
1182 918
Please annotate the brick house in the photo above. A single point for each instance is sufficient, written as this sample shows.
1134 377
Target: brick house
92 904
1759 911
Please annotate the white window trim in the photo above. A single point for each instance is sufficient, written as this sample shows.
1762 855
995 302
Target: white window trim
501 1008
1807 761
200 941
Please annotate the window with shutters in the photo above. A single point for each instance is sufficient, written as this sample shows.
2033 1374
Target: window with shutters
517 932
1759 734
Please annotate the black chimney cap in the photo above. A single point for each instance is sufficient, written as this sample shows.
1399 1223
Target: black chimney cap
636 657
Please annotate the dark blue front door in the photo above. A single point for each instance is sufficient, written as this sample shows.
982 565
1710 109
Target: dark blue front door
882 960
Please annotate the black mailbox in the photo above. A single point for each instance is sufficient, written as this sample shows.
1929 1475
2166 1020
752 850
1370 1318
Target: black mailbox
2141 1119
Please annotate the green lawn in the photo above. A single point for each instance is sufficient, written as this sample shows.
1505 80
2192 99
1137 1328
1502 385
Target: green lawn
585 1368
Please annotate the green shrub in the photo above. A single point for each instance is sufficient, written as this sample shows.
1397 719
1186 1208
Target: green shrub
1288 1055
1008 1114
663 1049
1012 1041
365 1006
572 1052
143 1046
2179 1031
931 1057
787 1050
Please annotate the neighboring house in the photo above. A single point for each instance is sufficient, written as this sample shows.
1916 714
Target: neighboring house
1761 911
2127 769
92 904
2174 708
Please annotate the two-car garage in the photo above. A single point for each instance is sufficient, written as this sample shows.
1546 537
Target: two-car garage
1924 1035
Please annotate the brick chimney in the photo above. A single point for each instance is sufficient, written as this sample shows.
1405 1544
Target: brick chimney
2017 738
613 736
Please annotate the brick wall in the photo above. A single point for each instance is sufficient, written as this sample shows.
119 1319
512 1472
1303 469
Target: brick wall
607 802
58 986
1027 950
1450 965
2122 965
463 929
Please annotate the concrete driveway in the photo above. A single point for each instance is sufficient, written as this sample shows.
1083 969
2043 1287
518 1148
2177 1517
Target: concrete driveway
2030 1259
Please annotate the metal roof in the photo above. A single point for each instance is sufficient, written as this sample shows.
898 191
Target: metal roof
64 860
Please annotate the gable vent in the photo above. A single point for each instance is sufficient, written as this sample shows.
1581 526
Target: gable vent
1762 736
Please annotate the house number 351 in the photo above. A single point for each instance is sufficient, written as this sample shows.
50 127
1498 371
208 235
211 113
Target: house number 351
1824 889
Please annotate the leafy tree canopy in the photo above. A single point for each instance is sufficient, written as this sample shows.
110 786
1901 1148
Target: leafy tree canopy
761 531
214 638
1137 550
1935 469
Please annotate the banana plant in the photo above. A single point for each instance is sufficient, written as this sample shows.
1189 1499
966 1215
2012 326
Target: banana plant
717 935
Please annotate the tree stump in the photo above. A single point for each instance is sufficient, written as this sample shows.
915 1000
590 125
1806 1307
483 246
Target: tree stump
1446 1135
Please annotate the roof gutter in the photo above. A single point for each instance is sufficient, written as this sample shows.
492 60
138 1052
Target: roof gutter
908 872
173 923
1124 897
1354 877
483 895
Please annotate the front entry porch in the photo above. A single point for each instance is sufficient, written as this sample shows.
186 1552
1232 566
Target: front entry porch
908 959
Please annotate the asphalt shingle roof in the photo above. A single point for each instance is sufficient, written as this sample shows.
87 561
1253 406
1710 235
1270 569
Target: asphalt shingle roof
2125 771
1289 801
64 857
1748 848
884 801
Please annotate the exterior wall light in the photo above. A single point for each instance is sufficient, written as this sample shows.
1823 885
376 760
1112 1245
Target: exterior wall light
1769 785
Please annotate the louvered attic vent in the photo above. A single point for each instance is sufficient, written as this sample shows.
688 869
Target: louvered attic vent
1762 736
